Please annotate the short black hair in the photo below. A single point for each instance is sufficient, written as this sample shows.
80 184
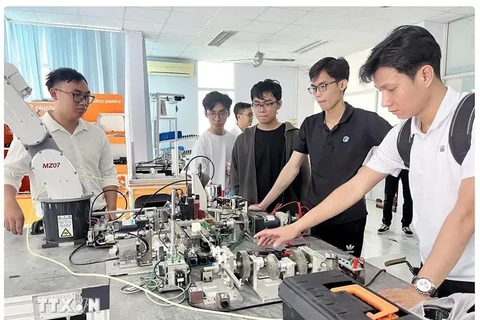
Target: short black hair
240 106
64 75
335 68
214 97
406 49
268 85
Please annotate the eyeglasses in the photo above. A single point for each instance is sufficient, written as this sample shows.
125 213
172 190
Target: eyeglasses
266 105
320 88
250 115
222 114
78 97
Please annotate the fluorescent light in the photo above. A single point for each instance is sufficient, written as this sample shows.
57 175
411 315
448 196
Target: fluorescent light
311 46
221 38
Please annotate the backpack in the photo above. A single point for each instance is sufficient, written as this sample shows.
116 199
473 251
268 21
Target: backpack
459 137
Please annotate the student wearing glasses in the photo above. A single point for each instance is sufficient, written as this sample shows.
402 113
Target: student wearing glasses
216 143
85 145
337 141
261 152
244 115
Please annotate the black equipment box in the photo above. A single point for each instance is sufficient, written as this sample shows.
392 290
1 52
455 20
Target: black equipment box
312 296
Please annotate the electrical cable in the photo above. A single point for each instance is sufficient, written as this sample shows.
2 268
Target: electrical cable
236 309
155 193
200 156
103 192
144 242
70 257
375 277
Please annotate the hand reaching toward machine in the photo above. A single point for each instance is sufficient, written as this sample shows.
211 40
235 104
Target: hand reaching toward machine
277 236
256 207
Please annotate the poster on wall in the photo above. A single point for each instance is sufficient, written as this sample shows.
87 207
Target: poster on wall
104 103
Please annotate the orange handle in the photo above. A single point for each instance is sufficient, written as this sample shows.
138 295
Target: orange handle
386 309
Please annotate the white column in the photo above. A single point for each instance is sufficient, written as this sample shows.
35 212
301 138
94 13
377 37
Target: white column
136 101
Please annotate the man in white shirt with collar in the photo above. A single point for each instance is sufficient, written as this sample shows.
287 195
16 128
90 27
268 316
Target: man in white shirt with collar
85 145
244 115
405 67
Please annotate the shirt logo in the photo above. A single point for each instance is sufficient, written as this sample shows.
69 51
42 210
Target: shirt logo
442 148
345 139
350 247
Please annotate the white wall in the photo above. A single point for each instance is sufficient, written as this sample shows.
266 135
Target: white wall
246 76
305 100
187 114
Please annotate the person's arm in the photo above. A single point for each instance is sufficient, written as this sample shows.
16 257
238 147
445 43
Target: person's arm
111 197
385 161
341 198
234 180
285 178
16 165
108 173
306 174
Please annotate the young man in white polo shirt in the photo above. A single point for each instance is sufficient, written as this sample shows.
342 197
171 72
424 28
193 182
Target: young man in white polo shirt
405 67
85 145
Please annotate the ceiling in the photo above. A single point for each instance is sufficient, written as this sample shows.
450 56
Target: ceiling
183 32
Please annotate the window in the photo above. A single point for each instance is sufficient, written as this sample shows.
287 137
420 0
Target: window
215 77
460 56
461 84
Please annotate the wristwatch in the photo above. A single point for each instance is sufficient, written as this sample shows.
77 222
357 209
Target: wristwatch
424 286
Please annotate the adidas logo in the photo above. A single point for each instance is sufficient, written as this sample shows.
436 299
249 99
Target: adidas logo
350 247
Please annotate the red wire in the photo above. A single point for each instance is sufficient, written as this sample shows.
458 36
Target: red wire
300 213
282 205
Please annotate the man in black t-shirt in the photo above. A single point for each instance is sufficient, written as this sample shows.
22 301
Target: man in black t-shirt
261 151
337 140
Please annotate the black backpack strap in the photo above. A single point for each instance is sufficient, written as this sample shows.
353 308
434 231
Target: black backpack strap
460 135
405 141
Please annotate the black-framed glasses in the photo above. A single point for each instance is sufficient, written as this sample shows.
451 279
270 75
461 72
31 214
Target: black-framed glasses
78 97
266 105
221 114
322 87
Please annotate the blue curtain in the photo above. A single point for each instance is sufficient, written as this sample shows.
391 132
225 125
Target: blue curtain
98 55
23 49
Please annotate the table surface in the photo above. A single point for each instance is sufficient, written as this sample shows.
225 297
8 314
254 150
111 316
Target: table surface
27 275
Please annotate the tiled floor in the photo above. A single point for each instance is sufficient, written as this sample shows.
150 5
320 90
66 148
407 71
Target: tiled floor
394 244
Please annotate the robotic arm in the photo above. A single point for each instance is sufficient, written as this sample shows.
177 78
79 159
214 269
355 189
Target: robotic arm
52 169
